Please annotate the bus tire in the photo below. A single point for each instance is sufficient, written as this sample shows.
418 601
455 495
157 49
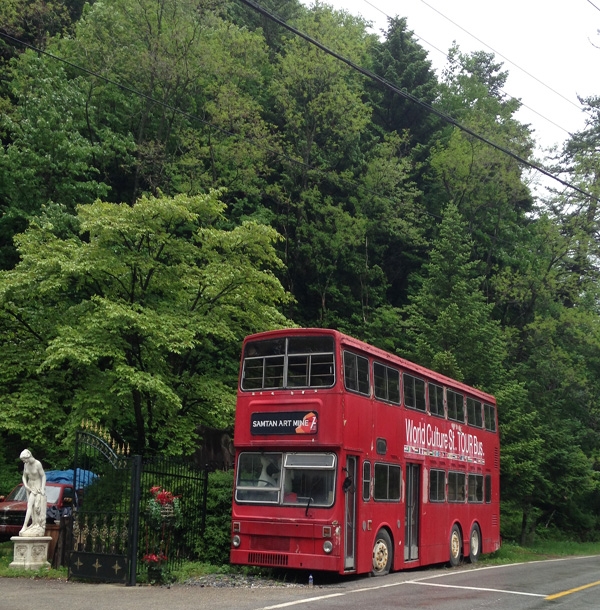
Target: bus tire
474 544
382 554
455 546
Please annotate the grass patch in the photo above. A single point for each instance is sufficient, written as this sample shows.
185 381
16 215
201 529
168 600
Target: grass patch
196 569
513 553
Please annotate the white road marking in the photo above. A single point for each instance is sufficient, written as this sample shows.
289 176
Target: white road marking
421 581
303 601
433 584
387 586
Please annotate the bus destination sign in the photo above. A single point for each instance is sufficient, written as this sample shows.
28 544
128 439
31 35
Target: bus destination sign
294 422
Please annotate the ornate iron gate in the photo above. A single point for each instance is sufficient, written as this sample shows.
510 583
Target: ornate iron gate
139 514
102 540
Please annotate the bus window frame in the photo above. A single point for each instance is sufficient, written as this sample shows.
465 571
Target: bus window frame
441 415
442 472
387 369
348 353
457 473
487 490
388 465
288 357
405 385
366 481
462 406
475 476
477 423
286 466
491 410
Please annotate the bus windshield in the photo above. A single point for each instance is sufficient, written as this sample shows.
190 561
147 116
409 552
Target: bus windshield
286 478
293 362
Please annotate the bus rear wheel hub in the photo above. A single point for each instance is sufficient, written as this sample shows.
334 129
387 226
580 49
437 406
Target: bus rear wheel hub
380 556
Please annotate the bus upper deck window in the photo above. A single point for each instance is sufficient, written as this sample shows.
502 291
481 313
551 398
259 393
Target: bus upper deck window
293 362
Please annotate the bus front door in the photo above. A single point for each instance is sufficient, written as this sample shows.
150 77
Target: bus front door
350 537
411 533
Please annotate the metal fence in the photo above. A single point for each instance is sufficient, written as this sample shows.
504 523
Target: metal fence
138 514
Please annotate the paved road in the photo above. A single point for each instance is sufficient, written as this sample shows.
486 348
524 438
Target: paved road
574 583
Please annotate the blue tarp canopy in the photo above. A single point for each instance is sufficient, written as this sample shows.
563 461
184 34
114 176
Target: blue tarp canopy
84 477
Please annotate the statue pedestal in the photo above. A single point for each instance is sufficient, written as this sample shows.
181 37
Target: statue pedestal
30 553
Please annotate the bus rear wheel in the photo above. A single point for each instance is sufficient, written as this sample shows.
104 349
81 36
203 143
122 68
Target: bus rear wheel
382 554
474 544
455 546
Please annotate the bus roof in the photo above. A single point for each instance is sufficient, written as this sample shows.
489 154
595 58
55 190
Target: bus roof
374 352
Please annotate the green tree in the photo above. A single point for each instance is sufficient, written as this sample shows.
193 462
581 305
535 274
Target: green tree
317 97
47 157
449 325
522 454
35 21
322 118
554 356
487 185
202 80
562 352
134 324
402 61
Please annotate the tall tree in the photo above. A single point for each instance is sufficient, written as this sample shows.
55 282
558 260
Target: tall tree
402 61
46 157
554 355
35 21
320 115
135 324
487 185
449 325
199 80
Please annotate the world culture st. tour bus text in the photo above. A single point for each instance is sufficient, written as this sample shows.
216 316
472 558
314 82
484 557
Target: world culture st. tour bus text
453 444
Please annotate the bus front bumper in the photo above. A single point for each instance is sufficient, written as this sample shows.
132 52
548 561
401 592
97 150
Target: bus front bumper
314 546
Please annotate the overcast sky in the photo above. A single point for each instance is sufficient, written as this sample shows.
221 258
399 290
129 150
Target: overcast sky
550 48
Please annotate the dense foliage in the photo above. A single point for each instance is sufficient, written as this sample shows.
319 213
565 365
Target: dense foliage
175 175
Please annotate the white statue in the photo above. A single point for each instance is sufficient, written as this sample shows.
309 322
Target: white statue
34 481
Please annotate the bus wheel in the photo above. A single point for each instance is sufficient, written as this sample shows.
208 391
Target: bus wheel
382 554
455 546
474 543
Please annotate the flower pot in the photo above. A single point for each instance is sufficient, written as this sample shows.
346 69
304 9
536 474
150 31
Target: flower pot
155 573
166 511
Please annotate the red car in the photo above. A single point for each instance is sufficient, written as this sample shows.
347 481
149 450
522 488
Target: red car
59 496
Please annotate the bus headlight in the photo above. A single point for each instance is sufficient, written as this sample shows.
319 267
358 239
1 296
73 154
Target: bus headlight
236 541
328 546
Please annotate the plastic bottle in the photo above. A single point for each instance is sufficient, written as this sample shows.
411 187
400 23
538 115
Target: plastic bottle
310 580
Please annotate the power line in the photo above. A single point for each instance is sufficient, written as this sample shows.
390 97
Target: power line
151 99
590 2
341 58
409 96
429 44
503 56
193 117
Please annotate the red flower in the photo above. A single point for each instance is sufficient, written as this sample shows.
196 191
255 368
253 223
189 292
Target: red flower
154 558
164 497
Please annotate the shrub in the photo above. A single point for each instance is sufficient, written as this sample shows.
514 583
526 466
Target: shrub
214 546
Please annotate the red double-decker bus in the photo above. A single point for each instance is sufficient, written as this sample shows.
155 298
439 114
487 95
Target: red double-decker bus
353 460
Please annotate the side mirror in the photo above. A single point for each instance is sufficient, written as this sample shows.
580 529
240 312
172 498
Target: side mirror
2 498
347 484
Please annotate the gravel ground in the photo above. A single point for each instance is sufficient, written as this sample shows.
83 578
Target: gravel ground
240 581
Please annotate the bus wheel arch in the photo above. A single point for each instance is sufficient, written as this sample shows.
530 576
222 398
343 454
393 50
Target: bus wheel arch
456 545
383 553
474 543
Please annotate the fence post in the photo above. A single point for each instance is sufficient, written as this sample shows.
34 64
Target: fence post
204 499
134 517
